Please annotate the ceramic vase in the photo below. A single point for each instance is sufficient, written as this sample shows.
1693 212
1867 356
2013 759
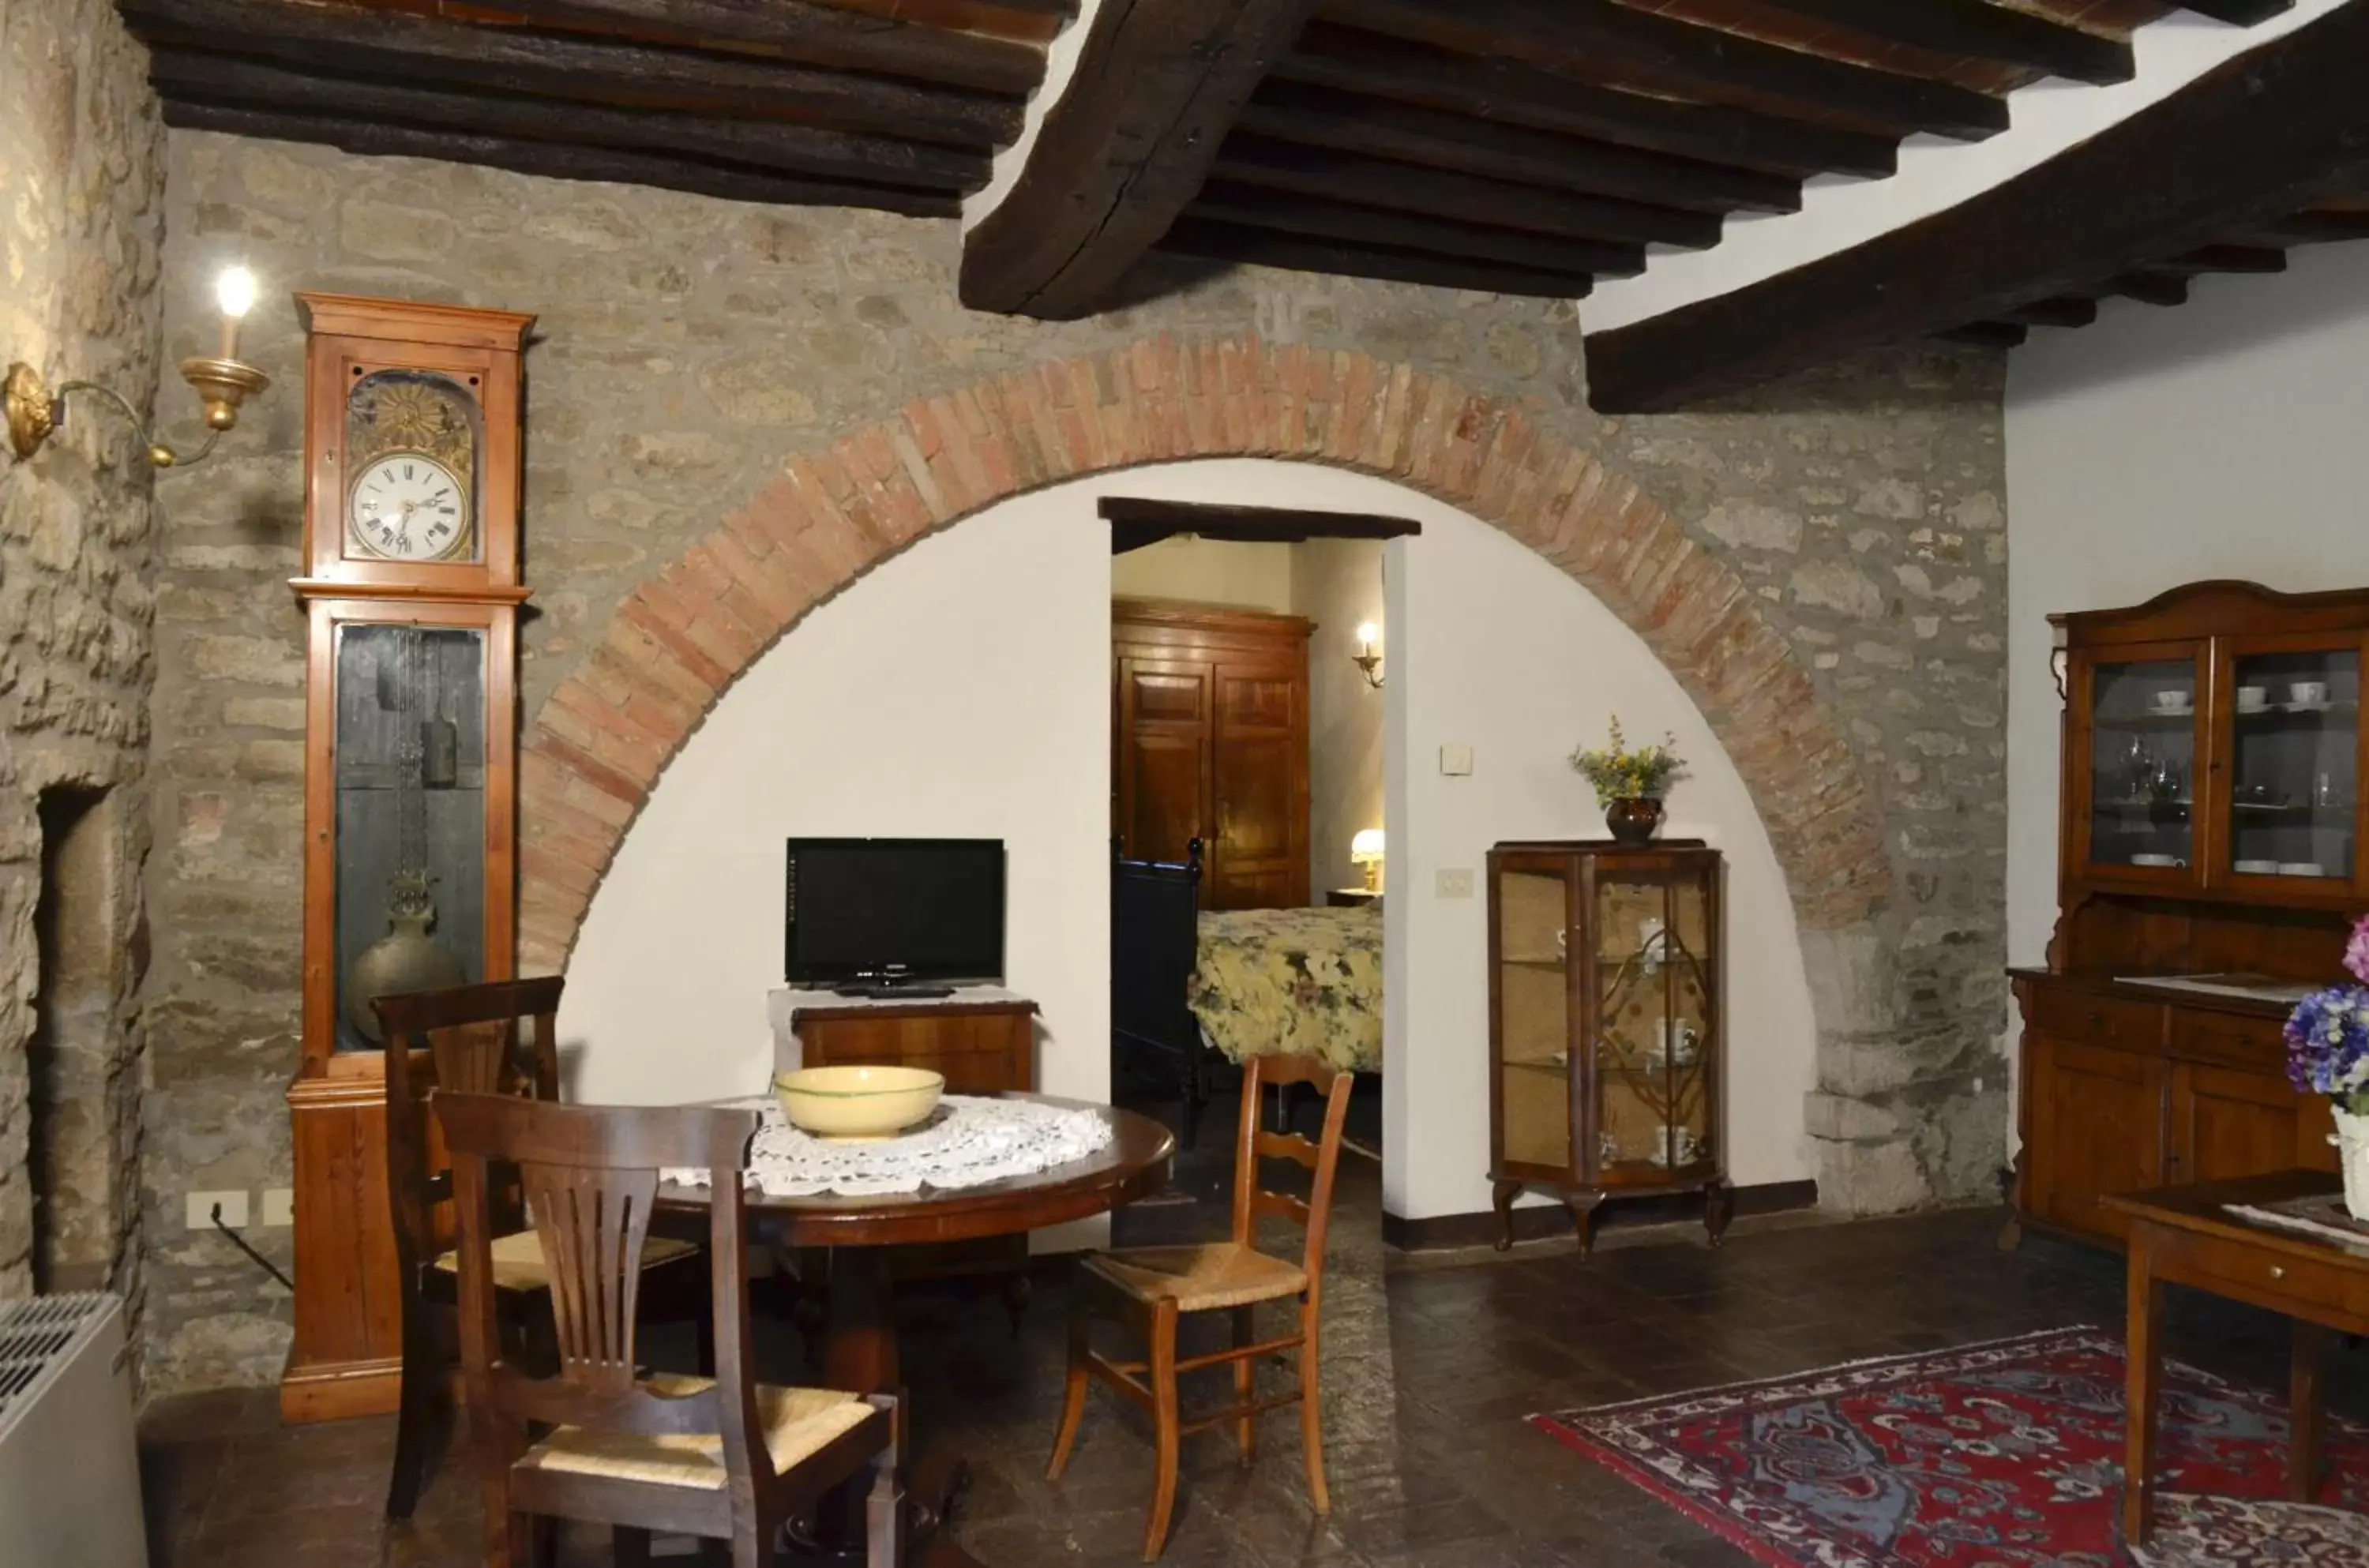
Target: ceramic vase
2352 1140
1633 822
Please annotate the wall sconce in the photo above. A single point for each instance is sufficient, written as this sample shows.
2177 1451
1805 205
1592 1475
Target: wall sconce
222 383
1369 656
1366 850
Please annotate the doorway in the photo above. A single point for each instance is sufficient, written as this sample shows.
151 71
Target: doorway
1248 737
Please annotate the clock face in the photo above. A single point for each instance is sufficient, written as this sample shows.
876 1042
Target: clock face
407 506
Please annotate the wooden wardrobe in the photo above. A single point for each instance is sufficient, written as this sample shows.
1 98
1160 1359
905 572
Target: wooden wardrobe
1209 740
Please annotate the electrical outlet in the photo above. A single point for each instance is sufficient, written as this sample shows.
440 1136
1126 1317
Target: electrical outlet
279 1207
1456 761
201 1209
1456 884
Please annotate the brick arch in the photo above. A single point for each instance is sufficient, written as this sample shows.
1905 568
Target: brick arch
600 742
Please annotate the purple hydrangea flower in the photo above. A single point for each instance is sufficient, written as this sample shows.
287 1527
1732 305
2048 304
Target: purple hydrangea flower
2356 952
2328 1043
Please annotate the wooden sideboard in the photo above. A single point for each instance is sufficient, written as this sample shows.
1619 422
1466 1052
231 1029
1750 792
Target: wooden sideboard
2212 816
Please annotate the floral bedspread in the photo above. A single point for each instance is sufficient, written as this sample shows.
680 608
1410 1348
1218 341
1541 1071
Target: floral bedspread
1292 982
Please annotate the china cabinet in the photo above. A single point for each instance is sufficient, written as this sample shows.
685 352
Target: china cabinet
2208 865
1606 1027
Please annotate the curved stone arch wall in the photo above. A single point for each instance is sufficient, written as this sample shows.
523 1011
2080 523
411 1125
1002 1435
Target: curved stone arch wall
597 747
600 742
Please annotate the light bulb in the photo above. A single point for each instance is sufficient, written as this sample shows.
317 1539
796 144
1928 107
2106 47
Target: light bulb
1368 636
234 291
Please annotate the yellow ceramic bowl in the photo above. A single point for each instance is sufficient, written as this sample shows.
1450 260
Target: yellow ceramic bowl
858 1102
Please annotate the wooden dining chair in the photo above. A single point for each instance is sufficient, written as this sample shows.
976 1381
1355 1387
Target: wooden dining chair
1150 1288
467 1039
599 1439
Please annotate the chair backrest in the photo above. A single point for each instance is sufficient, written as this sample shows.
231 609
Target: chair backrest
464 1040
590 1178
1155 937
1322 1158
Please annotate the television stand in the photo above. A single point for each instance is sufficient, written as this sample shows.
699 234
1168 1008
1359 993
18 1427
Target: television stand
892 990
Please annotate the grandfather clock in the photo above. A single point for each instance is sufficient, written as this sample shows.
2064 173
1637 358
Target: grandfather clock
411 589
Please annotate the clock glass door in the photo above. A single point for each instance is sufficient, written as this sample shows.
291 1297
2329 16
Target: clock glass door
412 440
410 763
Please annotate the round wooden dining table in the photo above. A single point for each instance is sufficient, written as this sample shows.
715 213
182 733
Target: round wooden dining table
859 1338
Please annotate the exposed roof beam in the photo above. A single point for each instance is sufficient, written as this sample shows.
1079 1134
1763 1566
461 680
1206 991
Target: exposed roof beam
802 30
2271 131
2061 311
2238 13
1157 88
775 145
1978 28
1332 56
557 161
392 46
1599 41
1262 248
1253 208
1380 182
2162 289
1137 521
1320 117
1987 334
2318 227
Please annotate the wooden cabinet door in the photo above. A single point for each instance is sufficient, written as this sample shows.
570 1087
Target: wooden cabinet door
1161 774
1259 764
2095 1119
2225 1123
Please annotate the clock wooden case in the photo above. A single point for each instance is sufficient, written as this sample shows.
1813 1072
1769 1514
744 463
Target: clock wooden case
411 592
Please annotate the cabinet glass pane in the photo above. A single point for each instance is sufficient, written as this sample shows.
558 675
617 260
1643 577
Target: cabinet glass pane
1652 1056
2143 762
2297 723
410 815
1534 1003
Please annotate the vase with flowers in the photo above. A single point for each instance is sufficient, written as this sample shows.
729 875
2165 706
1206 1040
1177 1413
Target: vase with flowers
1630 783
2328 1053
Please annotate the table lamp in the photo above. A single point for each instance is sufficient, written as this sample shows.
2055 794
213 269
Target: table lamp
1366 850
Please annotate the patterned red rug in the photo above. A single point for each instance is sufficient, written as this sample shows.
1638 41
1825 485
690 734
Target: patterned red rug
2006 1455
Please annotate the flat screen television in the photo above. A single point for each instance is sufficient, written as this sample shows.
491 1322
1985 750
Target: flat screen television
894 912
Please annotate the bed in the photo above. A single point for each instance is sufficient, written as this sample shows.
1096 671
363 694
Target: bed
1303 982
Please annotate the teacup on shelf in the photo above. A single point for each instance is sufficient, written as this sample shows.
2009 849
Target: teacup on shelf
2307 694
2253 699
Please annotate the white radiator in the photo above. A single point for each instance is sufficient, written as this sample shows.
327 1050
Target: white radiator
69 1467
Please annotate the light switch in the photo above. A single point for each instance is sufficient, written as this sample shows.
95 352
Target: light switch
1455 760
1454 884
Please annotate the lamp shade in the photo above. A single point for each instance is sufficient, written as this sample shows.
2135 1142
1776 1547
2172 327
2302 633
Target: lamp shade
1366 845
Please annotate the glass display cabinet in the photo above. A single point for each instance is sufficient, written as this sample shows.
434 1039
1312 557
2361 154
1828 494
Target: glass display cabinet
2227 760
1606 1037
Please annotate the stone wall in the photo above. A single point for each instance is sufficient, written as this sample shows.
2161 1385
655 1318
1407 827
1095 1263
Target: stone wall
82 197
688 349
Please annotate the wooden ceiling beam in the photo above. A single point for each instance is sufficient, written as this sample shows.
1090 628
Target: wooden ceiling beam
2226 258
1157 89
800 30
770 145
1986 334
2279 127
1251 206
1379 182
2318 226
353 41
2161 289
1262 247
557 161
1605 41
2238 13
1351 60
1319 117
2065 311
1979 29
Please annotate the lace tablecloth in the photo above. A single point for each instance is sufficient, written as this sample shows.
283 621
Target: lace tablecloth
968 1142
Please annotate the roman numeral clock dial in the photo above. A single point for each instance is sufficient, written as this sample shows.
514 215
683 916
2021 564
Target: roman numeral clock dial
408 507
